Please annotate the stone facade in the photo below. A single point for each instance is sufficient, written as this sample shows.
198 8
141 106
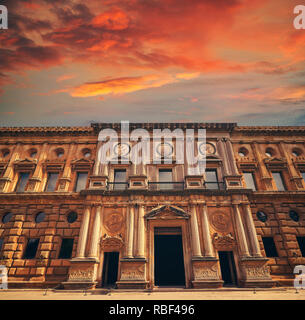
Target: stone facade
213 217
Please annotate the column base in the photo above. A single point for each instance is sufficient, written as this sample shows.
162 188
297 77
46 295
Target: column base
133 274
255 273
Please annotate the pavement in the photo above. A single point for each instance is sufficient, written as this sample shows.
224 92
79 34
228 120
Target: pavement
203 294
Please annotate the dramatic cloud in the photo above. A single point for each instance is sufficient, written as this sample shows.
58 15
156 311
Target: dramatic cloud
187 51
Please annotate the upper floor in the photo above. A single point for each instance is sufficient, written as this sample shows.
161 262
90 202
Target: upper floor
67 159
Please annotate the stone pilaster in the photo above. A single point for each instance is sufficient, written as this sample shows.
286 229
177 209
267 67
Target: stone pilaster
195 233
93 252
252 231
7 178
208 248
141 232
242 240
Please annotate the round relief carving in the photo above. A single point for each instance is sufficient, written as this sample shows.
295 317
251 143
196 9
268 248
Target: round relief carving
207 148
114 222
122 149
165 149
220 221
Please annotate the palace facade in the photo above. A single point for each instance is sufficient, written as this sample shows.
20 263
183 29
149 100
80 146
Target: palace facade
66 220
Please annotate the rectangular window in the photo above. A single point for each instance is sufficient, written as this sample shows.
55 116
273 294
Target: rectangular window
301 242
249 180
279 182
165 179
81 181
1 244
303 175
52 181
270 247
119 179
31 249
22 181
66 249
211 179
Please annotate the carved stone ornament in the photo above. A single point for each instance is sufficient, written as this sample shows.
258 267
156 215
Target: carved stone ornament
206 272
220 221
81 275
256 272
224 242
136 272
167 212
111 242
114 222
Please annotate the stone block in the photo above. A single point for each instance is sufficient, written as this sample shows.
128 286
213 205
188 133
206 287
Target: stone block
30 263
12 271
22 271
50 232
288 230
46 246
15 231
18 263
56 263
10 246
48 239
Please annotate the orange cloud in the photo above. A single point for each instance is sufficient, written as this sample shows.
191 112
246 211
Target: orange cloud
113 19
120 85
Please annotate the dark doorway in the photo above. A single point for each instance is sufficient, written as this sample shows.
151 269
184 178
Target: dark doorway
227 267
110 269
169 262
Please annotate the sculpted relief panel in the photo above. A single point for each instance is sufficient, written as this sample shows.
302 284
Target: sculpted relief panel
114 222
220 221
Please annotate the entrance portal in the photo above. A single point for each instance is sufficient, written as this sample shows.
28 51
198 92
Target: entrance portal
110 269
169 262
227 267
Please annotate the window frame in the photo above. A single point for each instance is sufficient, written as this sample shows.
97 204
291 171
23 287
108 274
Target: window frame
26 248
19 180
275 247
253 179
61 246
47 182
76 180
281 175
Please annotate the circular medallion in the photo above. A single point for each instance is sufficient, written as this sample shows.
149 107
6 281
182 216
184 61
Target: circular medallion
220 222
207 148
114 222
122 149
165 149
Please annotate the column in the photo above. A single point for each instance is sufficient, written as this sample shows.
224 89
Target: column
224 157
130 232
195 233
9 171
252 232
230 152
241 232
37 175
93 252
141 232
97 164
83 234
208 249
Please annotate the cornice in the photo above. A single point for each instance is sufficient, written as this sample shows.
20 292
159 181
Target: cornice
269 130
45 131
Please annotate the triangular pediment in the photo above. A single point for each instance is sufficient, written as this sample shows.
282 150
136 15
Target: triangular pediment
167 212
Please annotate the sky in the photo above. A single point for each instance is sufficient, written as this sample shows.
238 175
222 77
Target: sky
73 62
